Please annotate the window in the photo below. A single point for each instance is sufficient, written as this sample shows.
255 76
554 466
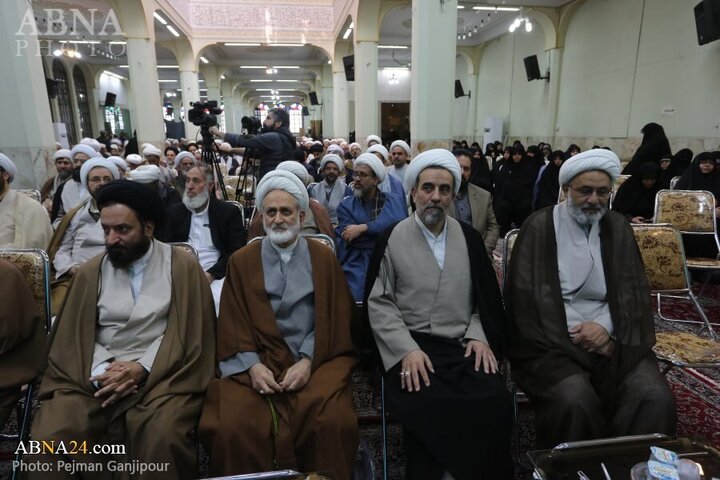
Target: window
65 107
83 102
114 117
261 112
296 118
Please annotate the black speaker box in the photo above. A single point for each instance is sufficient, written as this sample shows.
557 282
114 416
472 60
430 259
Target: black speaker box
110 99
459 92
707 21
532 69
349 64
306 111
313 98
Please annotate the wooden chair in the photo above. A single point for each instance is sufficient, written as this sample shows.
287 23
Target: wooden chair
35 266
30 192
664 259
692 212
241 208
187 247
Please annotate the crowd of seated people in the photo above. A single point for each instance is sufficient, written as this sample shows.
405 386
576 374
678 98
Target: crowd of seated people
249 347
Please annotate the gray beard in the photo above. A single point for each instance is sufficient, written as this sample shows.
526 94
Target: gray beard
193 203
584 218
282 236
432 217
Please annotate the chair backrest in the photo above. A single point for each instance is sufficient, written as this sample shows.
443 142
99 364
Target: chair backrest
239 207
509 244
619 181
187 247
320 237
34 263
673 182
690 211
663 255
30 192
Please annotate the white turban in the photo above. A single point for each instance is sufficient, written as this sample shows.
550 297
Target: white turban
145 174
282 180
297 169
437 157
91 142
8 165
379 149
62 153
355 144
373 162
225 146
151 150
116 141
331 157
401 144
596 159
134 158
179 157
119 162
144 145
334 149
370 138
86 149
94 163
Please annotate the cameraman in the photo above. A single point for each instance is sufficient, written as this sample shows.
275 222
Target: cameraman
274 144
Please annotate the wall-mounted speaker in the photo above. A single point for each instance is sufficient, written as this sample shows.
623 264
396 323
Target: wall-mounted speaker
349 64
532 69
313 98
306 112
110 99
707 21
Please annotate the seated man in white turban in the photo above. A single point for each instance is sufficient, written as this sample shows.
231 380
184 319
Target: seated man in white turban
362 217
436 313
284 350
152 176
153 156
24 222
184 161
134 161
317 219
400 157
581 322
64 167
71 193
330 192
79 236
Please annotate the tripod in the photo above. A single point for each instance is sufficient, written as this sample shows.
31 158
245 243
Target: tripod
209 156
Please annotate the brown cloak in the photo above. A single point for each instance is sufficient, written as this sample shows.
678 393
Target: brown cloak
317 425
156 424
541 351
22 337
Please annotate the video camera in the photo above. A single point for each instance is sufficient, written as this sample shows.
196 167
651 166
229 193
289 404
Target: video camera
251 124
202 114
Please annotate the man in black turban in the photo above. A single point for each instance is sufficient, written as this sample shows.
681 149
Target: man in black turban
134 346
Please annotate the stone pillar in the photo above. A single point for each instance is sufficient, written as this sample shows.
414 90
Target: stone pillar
97 116
212 82
326 98
145 95
190 93
433 71
555 65
229 105
341 126
472 109
28 138
366 80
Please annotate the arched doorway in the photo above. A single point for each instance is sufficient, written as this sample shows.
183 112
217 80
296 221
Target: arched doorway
64 105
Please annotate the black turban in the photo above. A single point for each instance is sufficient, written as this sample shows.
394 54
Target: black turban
145 201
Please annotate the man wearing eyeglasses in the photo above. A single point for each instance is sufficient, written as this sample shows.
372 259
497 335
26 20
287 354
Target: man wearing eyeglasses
581 324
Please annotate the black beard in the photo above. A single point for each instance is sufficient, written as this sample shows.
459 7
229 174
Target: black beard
76 174
265 129
3 185
64 174
122 256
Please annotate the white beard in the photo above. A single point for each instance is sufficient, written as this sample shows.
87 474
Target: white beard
282 234
193 203
582 217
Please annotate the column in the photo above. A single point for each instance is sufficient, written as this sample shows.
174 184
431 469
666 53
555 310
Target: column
97 117
190 94
212 82
472 109
366 80
145 95
340 104
555 64
229 105
327 107
28 138
433 71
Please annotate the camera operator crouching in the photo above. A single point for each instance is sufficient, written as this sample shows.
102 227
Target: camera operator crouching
273 145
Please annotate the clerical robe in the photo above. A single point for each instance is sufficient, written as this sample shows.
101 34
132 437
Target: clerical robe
83 239
330 196
316 426
24 223
355 255
157 423
22 337
579 395
417 298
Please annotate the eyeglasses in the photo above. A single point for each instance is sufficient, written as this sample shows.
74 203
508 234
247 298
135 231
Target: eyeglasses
361 174
588 192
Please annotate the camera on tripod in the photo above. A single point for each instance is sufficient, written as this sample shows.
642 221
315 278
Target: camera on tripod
251 124
203 114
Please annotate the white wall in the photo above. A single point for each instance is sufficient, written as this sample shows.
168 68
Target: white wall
461 106
113 85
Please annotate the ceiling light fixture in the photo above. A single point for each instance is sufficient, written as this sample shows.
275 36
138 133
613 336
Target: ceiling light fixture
285 66
399 47
159 18
347 34
498 9
253 66
271 71
172 30
204 60
159 66
240 44
517 23
393 80
286 44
